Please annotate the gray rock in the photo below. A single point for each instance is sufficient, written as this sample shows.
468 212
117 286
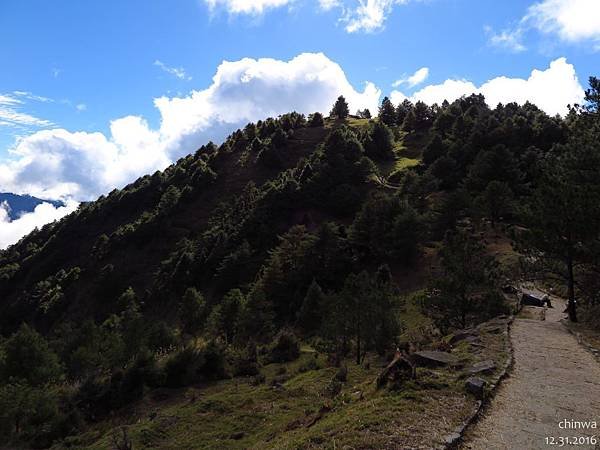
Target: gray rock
434 358
451 439
486 366
475 386
463 335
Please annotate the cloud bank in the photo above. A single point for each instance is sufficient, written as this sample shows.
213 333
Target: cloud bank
12 231
551 89
80 165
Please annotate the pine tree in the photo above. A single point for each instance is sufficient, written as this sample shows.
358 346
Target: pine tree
410 122
455 297
563 214
402 110
495 201
340 108
192 311
28 357
387 112
309 316
380 142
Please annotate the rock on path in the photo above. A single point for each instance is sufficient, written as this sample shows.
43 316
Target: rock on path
553 379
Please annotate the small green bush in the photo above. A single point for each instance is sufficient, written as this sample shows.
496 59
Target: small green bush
284 348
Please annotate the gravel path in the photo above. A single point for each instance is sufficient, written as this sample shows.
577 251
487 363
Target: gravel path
553 378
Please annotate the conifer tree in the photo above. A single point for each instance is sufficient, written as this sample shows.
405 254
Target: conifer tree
387 112
340 108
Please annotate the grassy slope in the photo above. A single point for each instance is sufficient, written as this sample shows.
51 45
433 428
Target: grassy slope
234 414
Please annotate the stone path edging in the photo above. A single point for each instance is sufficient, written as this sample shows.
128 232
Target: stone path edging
453 440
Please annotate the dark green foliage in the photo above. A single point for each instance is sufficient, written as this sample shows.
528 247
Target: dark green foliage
192 365
387 112
592 95
311 311
287 272
90 349
361 311
245 363
225 317
402 111
444 169
340 108
28 358
192 311
423 116
563 213
161 337
495 201
315 120
256 145
168 200
434 150
497 164
284 348
28 413
410 122
467 286
386 228
379 142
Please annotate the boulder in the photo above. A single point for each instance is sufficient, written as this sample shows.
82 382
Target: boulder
486 366
462 335
530 299
429 358
398 370
475 386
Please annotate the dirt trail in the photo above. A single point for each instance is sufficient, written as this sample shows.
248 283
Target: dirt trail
553 378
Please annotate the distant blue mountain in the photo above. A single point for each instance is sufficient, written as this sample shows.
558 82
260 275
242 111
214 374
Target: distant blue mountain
20 204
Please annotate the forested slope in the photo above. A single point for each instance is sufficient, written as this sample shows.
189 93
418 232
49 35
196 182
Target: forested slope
293 229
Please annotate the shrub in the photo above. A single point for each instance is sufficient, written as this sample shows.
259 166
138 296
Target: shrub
182 367
284 348
258 379
333 389
191 365
309 365
315 120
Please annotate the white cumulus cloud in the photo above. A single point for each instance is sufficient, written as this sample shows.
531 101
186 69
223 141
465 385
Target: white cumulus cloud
12 231
369 15
252 7
415 79
572 20
80 165
551 89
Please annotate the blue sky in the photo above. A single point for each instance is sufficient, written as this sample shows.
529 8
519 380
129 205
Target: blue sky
71 68
101 54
